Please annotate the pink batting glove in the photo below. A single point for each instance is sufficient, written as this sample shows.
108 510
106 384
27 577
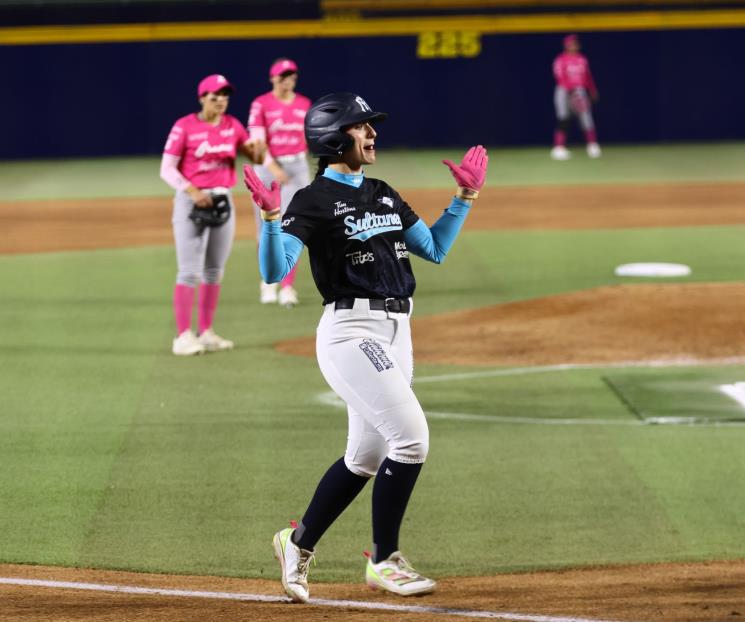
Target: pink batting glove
472 170
268 199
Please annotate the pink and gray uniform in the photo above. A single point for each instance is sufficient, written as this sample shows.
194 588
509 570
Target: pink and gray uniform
203 155
281 125
574 88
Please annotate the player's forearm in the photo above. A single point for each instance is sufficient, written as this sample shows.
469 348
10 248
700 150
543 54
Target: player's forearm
276 170
170 174
434 243
278 252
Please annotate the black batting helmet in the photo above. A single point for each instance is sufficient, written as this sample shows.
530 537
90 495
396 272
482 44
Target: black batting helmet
327 118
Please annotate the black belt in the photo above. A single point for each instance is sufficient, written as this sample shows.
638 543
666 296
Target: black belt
393 305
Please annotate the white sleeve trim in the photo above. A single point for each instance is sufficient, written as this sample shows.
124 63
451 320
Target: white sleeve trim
257 132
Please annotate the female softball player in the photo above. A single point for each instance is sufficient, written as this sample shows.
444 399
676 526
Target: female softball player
277 118
199 163
359 234
574 90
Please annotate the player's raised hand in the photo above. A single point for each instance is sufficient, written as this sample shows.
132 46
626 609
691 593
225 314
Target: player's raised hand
471 173
268 199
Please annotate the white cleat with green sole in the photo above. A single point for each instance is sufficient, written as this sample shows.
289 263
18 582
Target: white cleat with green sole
294 562
396 575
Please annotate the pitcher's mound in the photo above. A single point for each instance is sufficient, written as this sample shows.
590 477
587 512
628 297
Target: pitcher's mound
661 322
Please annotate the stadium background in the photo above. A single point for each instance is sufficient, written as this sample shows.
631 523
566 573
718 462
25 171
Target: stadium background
660 77
548 448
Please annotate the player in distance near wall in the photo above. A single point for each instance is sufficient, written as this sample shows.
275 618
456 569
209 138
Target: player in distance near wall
573 96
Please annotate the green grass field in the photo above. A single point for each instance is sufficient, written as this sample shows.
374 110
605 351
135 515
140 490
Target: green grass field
115 454
138 176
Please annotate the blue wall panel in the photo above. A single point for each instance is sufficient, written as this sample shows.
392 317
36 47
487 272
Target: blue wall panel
119 99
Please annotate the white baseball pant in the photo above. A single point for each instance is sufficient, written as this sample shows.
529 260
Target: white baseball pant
366 357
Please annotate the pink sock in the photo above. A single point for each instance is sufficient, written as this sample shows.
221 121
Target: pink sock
183 299
591 136
289 279
560 138
209 293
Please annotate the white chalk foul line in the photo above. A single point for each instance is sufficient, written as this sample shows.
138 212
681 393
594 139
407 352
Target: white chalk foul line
532 420
542 369
329 398
320 602
649 421
736 391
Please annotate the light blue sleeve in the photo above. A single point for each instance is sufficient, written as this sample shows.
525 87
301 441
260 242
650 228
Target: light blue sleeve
278 252
433 243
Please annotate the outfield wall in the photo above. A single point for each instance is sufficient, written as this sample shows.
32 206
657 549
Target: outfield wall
87 99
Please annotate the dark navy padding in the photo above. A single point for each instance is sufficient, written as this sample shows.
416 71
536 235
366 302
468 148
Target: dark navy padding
121 99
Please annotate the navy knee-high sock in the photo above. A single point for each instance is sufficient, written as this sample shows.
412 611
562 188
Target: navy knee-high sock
336 490
393 485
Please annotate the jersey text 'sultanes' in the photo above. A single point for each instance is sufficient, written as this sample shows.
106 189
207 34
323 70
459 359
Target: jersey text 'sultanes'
355 238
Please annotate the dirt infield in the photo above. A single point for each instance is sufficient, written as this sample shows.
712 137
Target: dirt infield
654 320
85 224
706 592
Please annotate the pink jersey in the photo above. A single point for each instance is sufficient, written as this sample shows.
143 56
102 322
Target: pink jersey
207 152
282 125
572 71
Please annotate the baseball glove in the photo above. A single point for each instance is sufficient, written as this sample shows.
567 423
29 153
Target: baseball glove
214 216
579 101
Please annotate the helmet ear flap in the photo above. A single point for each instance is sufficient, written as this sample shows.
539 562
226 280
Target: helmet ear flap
335 142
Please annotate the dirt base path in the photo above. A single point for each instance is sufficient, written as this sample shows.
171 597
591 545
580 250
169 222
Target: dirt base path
705 592
544 331
86 224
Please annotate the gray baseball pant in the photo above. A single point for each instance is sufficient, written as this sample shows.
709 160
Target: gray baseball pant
299 176
564 109
201 253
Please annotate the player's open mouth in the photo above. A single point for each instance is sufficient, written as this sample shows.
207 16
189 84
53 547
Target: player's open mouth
369 147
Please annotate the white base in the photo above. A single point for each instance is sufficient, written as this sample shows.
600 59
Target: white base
653 269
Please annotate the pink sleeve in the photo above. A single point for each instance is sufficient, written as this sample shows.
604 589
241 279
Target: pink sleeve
557 69
176 140
256 115
170 174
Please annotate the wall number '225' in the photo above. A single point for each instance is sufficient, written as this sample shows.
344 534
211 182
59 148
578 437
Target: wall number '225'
449 44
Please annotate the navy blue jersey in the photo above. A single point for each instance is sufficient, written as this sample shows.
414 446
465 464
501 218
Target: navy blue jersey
355 238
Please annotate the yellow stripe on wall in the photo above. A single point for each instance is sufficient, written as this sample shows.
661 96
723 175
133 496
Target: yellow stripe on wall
429 5
491 24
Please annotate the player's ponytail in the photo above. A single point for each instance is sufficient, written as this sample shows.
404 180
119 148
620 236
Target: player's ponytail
323 162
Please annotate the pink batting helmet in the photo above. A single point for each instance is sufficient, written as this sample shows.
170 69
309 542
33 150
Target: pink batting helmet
569 39
284 65
213 83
